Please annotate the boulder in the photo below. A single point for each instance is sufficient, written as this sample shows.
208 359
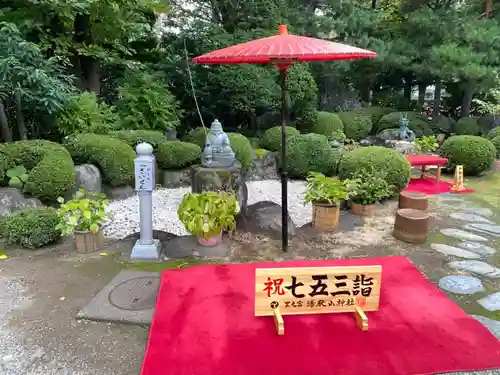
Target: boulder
88 177
403 147
12 199
263 217
119 192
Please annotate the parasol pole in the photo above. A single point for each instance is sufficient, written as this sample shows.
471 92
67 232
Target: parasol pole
284 179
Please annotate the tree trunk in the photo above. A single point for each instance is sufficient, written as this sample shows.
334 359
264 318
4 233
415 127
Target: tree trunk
422 87
23 134
91 72
374 4
408 87
4 124
469 88
487 8
89 66
364 91
436 110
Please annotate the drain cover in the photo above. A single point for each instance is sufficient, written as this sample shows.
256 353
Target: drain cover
135 294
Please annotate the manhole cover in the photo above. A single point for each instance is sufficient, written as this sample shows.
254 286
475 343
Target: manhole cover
135 294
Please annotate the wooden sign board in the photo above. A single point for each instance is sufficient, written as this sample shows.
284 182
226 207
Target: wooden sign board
316 290
458 180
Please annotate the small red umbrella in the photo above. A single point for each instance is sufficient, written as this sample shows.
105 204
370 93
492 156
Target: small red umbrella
282 50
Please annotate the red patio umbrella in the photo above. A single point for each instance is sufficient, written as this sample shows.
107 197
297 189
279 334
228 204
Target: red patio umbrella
282 50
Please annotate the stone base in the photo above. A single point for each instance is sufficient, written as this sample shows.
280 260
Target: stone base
146 252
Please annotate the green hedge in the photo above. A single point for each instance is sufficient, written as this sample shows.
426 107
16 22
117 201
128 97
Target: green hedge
31 227
496 143
375 112
417 123
356 125
134 137
242 148
196 136
177 154
395 164
495 132
271 139
112 156
50 167
309 153
327 124
476 154
467 126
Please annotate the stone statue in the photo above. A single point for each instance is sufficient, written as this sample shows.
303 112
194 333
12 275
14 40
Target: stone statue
405 133
217 152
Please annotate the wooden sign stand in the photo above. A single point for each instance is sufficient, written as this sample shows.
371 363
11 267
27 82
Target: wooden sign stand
317 290
458 180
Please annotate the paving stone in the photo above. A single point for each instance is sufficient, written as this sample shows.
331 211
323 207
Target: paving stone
492 325
461 284
488 228
469 217
463 235
477 247
491 302
477 267
478 211
455 251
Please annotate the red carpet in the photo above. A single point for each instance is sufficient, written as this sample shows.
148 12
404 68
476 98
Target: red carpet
204 324
429 186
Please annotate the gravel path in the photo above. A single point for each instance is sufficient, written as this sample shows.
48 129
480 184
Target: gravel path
124 214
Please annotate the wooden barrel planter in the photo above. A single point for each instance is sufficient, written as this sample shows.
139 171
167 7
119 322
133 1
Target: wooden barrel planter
411 225
362 209
325 216
414 200
88 242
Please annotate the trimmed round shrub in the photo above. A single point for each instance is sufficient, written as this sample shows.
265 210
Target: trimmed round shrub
112 156
196 136
309 153
476 154
496 143
417 123
375 112
395 164
242 148
467 126
327 124
495 132
356 126
31 227
134 137
177 154
271 139
51 172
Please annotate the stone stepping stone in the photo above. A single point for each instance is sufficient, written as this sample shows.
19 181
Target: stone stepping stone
492 325
470 217
477 247
455 251
478 211
477 267
488 228
491 302
463 235
461 284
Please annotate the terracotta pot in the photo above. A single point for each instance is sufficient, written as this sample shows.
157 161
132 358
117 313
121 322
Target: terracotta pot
211 241
88 242
325 216
362 209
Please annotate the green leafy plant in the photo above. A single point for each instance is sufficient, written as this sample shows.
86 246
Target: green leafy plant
322 189
84 213
260 153
426 144
209 213
371 186
18 177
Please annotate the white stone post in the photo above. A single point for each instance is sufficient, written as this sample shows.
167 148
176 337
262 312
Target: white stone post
146 247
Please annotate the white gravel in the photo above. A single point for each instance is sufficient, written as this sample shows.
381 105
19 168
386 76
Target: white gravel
124 214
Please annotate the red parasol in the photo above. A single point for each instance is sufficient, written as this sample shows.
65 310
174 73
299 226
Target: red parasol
283 50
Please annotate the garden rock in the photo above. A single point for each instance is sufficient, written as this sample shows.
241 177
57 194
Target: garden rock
388 134
473 218
263 167
119 192
88 177
478 211
463 235
263 217
477 247
188 247
454 251
492 325
488 228
12 199
403 147
461 284
477 267
491 302
172 179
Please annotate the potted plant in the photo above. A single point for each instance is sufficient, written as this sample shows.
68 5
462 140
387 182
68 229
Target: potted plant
371 188
83 216
325 194
206 215
426 145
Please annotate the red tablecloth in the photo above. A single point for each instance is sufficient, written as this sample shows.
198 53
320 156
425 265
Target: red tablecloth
421 160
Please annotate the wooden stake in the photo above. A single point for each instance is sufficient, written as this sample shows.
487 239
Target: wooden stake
361 319
278 320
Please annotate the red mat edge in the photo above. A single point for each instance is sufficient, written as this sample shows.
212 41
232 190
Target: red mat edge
290 263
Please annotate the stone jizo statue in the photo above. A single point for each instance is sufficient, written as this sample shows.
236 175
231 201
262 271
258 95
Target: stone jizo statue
217 152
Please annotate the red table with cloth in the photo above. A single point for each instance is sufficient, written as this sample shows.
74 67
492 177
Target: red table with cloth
425 160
